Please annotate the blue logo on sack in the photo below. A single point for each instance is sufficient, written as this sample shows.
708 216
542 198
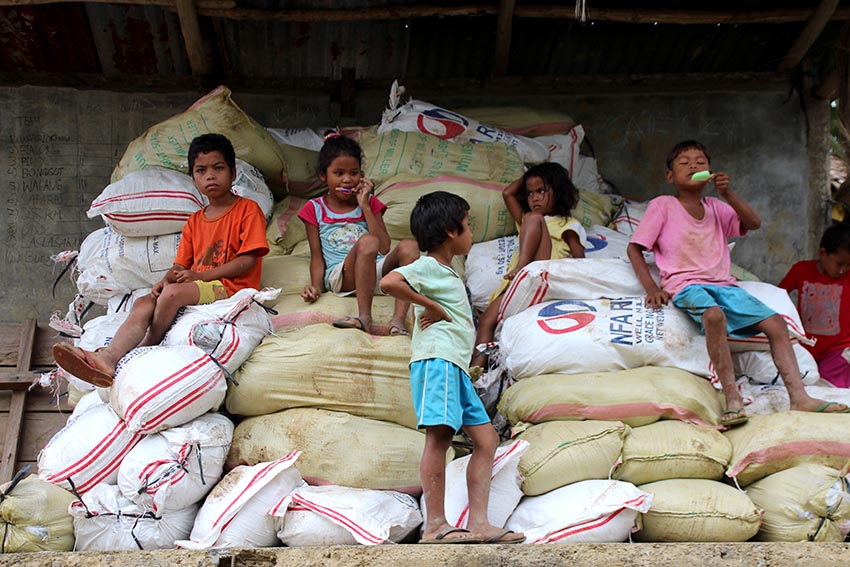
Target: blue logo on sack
565 316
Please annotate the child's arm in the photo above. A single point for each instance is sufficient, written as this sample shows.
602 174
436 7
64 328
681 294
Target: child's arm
510 194
749 219
395 285
374 222
311 291
573 240
655 296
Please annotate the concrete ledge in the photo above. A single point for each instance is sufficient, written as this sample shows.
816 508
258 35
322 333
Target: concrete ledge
602 555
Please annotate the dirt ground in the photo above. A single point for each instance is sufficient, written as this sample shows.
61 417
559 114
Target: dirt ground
590 555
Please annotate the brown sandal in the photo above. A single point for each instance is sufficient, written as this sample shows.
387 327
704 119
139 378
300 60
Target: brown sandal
79 363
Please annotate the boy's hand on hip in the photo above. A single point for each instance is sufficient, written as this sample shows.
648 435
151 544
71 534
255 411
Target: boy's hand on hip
433 315
657 299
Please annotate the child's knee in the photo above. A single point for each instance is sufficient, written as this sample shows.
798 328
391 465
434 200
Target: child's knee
368 244
408 251
714 317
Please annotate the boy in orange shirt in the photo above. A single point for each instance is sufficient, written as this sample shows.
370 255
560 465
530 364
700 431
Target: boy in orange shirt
220 252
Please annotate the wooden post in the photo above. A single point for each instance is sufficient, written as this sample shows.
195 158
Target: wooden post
192 37
16 409
504 28
810 33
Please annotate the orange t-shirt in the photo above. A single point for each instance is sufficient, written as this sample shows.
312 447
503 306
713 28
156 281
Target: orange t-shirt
207 243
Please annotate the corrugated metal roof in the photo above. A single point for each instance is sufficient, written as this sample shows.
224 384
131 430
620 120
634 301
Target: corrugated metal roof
147 41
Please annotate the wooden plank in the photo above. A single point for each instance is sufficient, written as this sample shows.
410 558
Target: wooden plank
504 28
810 33
38 400
10 338
39 428
192 37
15 419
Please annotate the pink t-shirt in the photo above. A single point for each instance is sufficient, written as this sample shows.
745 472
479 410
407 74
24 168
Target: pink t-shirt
689 251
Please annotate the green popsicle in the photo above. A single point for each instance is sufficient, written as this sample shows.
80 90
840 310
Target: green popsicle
701 176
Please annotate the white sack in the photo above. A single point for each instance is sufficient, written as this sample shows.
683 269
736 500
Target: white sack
251 184
148 202
572 336
235 512
486 265
176 468
160 387
590 511
88 450
777 299
228 330
338 515
758 366
106 521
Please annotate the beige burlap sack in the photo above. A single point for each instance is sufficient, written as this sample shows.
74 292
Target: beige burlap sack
564 452
698 510
167 144
35 517
767 444
285 230
336 447
804 503
323 367
636 397
293 312
673 449
288 272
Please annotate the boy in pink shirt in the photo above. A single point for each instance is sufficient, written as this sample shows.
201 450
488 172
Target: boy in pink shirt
688 234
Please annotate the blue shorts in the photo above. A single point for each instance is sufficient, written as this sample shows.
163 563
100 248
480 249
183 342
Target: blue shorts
443 395
742 310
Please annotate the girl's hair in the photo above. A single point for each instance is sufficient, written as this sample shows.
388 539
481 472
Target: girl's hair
434 215
337 145
208 143
554 177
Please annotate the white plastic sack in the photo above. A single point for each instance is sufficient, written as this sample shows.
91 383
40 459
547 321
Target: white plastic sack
235 512
777 299
338 515
605 243
251 184
106 521
88 450
628 217
505 483
572 336
486 265
148 202
228 330
176 468
160 387
111 264
124 303
97 333
590 511
758 366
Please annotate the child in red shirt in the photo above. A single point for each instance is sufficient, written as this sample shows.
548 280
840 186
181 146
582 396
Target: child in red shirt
823 300
220 252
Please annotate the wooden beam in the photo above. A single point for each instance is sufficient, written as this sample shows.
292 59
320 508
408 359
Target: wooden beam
192 37
504 27
828 86
810 33
16 408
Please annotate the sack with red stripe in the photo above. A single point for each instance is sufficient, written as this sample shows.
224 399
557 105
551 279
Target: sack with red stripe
590 511
106 521
176 468
87 451
570 278
339 515
160 387
112 265
505 483
228 330
235 514
777 299
152 201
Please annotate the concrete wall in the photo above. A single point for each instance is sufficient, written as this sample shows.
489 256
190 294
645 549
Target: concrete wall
59 146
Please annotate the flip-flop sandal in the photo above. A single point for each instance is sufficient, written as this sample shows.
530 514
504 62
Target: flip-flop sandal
79 363
826 405
396 331
350 323
498 538
441 537
731 418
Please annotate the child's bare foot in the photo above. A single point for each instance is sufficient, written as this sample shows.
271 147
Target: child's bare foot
819 406
449 534
87 366
499 535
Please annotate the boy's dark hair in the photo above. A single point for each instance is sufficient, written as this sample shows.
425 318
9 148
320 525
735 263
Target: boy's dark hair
337 145
434 215
206 143
683 146
836 238
556 178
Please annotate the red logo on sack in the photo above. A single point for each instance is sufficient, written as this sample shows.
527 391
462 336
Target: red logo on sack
565 316
441 123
